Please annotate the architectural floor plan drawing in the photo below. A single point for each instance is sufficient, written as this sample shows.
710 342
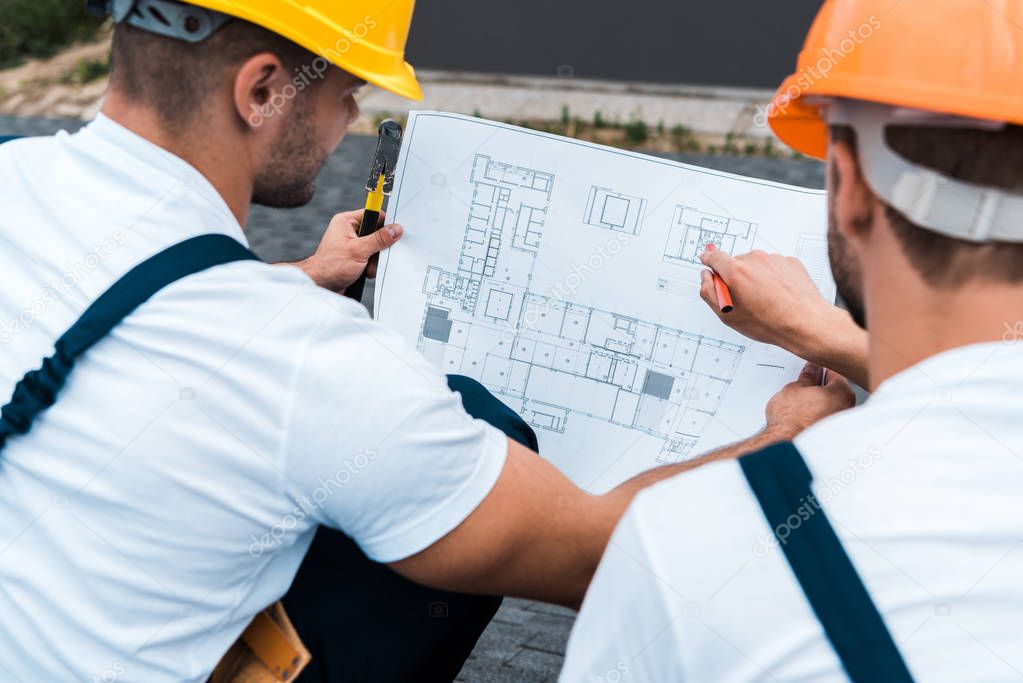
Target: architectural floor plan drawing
556 358
579 361
812 250
502 234
599 342
614 211
692 230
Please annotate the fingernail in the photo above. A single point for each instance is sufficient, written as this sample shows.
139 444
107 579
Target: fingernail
394 230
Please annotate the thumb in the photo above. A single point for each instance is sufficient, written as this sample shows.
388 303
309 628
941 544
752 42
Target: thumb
837 383
367 246
707 291
834 378
722 263
810 375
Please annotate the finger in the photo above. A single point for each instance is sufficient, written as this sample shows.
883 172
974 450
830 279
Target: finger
371 267
346 223
707 291
834 378
810 375
722 263
837 384
378 241
352 220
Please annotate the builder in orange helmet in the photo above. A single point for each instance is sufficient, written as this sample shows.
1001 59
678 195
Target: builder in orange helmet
184 419
885 542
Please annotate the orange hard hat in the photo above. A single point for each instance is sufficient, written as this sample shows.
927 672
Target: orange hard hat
956 57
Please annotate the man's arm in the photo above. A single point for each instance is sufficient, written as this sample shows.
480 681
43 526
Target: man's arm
538 535
777 303
342 255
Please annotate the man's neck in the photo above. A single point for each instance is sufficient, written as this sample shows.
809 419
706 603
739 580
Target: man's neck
910 321
212 151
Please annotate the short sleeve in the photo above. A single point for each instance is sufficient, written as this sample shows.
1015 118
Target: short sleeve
376 445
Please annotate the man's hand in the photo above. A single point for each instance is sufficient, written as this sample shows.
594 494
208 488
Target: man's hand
343 256
803 402
777 303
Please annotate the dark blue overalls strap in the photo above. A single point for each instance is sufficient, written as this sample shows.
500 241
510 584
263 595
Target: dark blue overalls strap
781 481
38 389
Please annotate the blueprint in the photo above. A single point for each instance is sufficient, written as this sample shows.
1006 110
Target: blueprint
565 276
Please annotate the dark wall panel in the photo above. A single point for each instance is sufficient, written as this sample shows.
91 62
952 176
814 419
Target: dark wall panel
707 42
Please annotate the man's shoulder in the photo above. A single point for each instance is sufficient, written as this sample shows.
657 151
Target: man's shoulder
721 485
845 434
710 507
276 318
19 154
259 316
696 487
847 444
713 502
255 289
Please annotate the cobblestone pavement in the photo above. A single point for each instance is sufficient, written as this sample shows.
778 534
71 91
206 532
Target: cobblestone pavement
526 641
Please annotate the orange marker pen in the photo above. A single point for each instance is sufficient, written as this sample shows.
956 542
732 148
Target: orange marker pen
721 289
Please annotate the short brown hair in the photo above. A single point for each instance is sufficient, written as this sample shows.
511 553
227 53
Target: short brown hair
983 157
174 77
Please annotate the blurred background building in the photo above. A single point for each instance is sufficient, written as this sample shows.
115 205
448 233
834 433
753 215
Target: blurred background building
737 43
661 75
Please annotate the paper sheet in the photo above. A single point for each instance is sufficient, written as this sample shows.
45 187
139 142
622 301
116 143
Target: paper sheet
565 277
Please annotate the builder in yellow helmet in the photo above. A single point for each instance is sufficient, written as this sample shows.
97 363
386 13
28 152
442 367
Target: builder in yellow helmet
183 418
885 542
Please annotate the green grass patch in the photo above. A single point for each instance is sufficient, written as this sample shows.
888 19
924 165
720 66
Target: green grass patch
637 132
87 70
39 28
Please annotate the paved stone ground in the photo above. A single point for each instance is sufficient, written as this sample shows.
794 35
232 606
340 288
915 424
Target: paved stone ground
526 641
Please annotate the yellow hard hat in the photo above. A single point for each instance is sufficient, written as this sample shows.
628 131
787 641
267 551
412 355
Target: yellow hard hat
364 37
958 57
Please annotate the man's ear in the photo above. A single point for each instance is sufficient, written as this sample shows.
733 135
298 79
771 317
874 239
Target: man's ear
258 90
854 202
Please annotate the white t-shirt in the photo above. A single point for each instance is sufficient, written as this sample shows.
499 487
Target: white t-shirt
174 488
923 485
